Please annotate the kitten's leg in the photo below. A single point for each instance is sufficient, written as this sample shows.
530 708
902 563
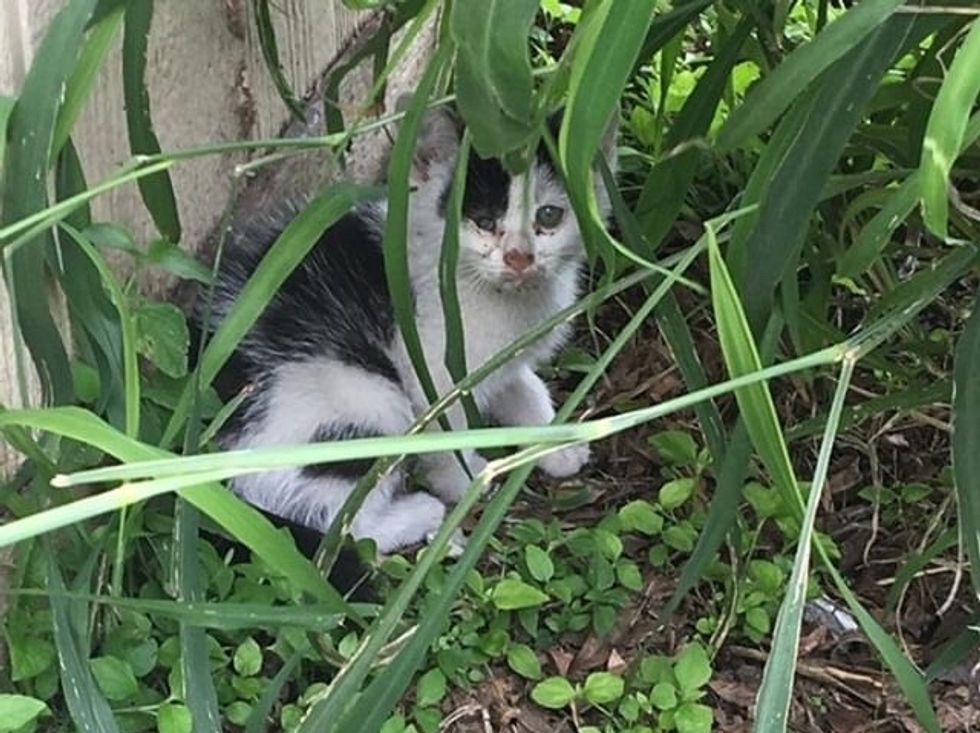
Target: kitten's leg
325 400
524 400
443 472
399 521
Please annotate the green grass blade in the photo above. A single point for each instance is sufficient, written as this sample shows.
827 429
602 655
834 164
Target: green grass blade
157 190
283 257
256 722
741 357
395 243
795 186
199 691
88 708
668 181
30 129
776 691
774 94
493 72
270 53
118 298
238 518
604 58
83 77
6 108
946 128
966 438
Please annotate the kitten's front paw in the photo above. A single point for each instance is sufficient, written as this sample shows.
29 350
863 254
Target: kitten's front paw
565 462
457 543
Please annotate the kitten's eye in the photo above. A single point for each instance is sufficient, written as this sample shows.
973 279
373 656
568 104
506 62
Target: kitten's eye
548 217
486 223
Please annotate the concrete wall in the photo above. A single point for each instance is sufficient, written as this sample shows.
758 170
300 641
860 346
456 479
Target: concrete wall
207 83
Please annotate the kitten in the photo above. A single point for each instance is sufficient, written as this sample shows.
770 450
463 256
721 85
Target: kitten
326 361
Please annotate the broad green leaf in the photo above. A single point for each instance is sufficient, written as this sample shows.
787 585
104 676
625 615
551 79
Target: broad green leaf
663 696
602 688
248 658
493 72
692 669
675 447
163 337
640 516
29 655
554 693
510 594
772 96
115 677
946 128
173 717
966 438
693 717
539 563
18 710
674 493
522 659
157 190
431 688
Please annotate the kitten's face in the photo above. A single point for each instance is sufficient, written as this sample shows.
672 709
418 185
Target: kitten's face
517 231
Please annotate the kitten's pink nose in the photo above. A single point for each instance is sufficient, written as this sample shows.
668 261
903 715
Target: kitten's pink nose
518 261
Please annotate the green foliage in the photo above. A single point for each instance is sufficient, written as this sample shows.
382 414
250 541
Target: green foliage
827 134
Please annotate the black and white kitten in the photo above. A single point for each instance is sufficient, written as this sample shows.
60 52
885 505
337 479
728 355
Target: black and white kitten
326 360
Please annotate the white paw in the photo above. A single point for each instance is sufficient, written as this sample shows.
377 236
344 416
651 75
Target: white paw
565 462
447 479
457 542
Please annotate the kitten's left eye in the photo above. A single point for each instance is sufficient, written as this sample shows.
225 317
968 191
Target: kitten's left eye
548 217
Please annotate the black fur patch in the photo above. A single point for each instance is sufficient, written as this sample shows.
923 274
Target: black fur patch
349 470
335 303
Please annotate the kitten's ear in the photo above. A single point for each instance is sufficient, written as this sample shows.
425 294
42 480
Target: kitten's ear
438 139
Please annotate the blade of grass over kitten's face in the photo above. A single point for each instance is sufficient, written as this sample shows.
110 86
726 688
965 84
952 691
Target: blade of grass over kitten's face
395 243
157 189
30 128
493 72
945 131
776 691
282 258
6 107
774 94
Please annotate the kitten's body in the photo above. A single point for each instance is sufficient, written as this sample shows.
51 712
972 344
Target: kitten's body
327 362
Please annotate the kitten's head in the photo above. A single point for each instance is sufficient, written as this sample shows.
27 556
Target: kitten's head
517 231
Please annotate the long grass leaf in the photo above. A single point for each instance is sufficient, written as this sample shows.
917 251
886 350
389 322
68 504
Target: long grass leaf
774 94
88 708
157 190
966 438
270 53
30 129
776 691
128 328
6 108
84 75
946 128
794 188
